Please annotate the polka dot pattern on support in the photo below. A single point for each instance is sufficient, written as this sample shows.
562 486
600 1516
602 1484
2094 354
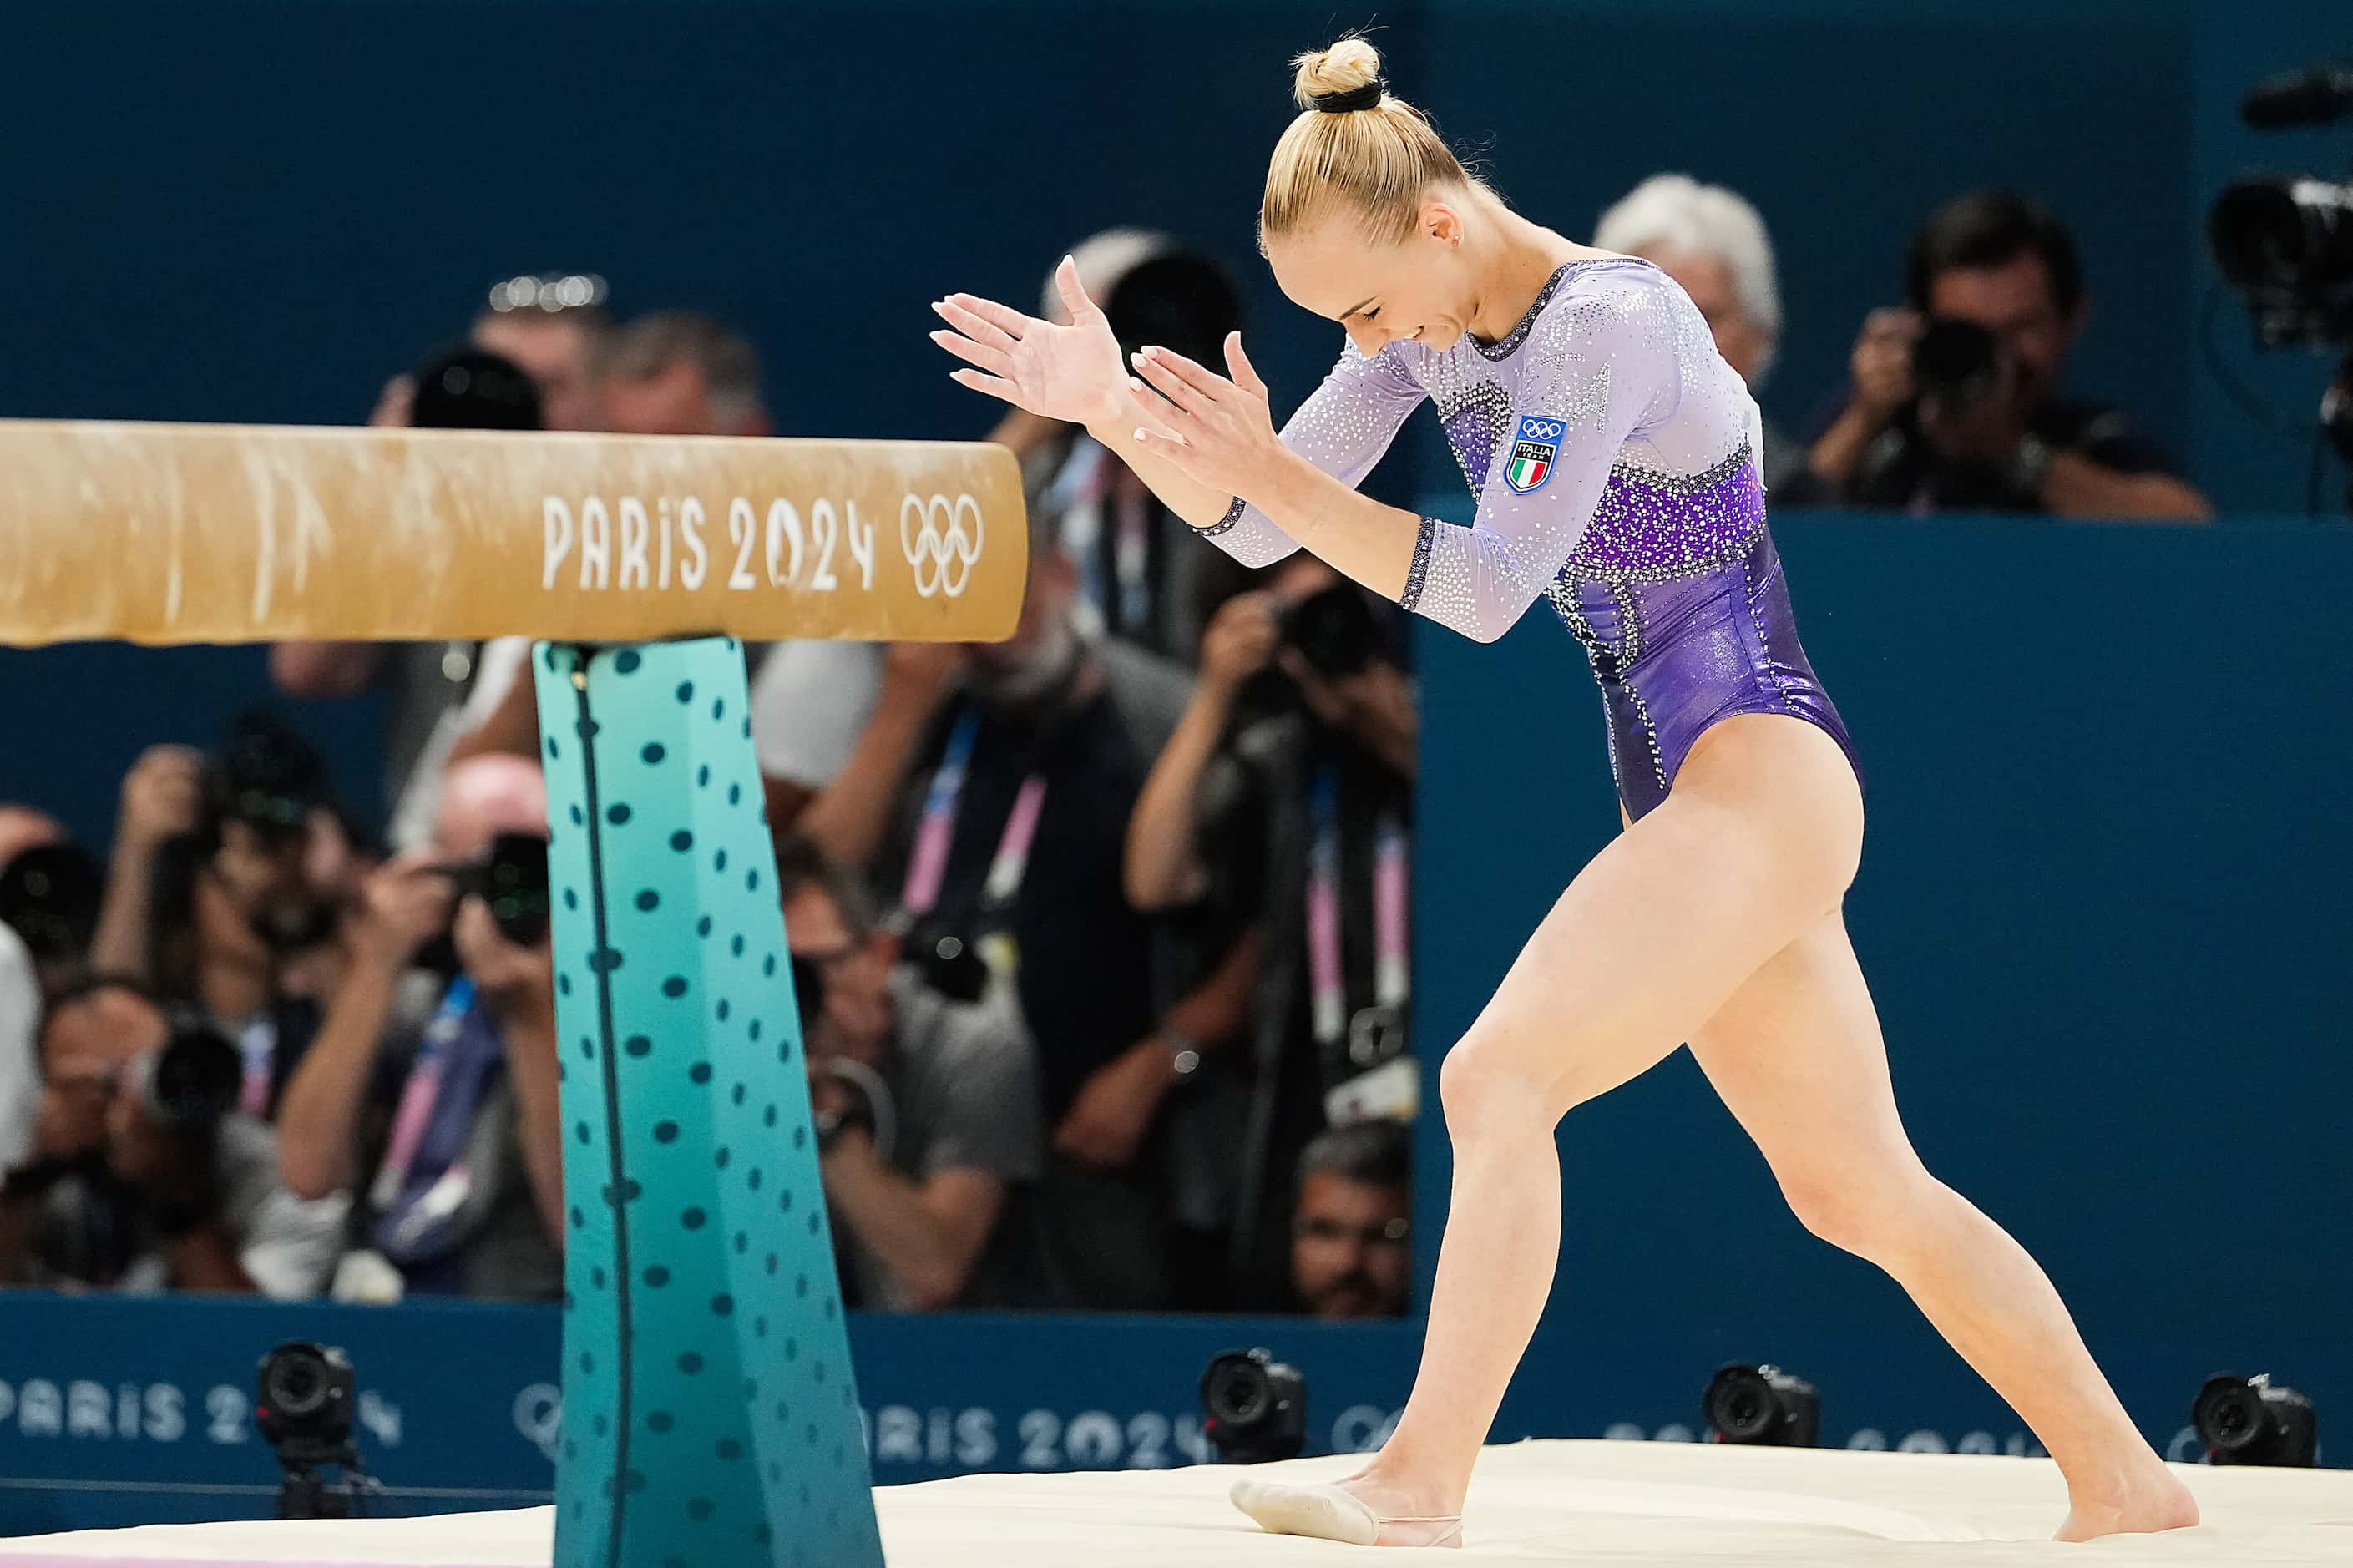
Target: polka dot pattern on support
679 1047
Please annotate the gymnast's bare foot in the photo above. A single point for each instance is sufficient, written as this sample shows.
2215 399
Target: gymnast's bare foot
2151 1499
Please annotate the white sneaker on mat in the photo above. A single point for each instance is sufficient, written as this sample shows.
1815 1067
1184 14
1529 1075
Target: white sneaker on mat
1330 1513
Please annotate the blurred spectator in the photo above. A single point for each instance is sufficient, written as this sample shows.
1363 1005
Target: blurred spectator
1714 244
992 789
1303 818
443 696
433 1096
228 878
140 1176
676 372
1955 403
1351 1237
926 1109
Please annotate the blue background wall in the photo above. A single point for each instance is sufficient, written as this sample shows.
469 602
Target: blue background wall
2103 901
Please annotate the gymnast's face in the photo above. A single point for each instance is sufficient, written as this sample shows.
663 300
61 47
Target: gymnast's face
1418 289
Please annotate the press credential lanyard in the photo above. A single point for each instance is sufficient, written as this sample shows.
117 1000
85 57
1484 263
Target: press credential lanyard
1391 972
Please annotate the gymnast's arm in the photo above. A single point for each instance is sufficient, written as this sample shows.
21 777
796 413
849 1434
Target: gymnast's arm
1073 372
1608 365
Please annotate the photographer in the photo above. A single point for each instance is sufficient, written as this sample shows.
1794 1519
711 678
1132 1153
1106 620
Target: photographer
1956 401
442 697
431 1090
228 877
926 1109
142 1176
1287 789
992 788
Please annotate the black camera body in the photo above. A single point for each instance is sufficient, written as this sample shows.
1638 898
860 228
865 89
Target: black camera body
512 879
2285 241
1956 364
305 1401
2247 1421
1253 1407
1334 631
1762 1406
193 1083
49 895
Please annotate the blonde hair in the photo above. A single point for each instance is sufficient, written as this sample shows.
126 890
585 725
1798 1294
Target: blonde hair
1378 161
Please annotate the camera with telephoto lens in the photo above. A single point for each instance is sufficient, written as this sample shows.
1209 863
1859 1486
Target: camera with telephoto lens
2247 1421
2285 241
49 896
512 879
1334 631
191 1084
1762 1406
306 1397
1956 364
1253 1407
268 777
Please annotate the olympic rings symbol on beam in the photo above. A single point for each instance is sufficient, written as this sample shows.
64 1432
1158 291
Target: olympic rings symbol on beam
933 536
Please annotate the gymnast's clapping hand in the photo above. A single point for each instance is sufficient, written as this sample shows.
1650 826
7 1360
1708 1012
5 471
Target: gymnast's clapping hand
1215 430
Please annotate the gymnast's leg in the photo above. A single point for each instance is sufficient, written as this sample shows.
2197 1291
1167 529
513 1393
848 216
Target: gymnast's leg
1760 837
1796 1055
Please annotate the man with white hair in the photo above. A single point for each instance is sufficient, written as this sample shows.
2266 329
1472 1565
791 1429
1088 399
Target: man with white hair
1710 240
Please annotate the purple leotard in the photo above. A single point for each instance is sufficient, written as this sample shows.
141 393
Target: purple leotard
1613 454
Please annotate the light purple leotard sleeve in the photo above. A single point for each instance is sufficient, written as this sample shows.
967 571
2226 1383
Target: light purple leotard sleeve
1342 428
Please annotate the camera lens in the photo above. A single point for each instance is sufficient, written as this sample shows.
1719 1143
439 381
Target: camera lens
2283 232
2230 1414
298 1385
1956 362
1236 1390
1742 1407
304 1394
197 1081
514 885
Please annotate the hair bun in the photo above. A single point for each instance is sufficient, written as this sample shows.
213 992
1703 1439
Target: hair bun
1350 66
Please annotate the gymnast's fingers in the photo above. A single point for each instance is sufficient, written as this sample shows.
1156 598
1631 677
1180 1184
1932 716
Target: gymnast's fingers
1207 383
1168 444
996 361
996 386
1168 383
972 326
1005 317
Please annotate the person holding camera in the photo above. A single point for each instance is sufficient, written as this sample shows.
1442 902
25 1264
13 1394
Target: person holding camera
448 701
141 1174
228 880
926 1109
1955 403
430 1093
1300 811
992 788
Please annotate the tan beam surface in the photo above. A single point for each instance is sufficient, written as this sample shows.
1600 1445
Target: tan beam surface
180 534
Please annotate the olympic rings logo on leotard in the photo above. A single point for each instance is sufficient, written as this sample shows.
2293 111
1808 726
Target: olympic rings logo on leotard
1543 429
932 536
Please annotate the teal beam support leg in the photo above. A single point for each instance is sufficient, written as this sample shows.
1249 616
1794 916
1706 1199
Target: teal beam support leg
709 1414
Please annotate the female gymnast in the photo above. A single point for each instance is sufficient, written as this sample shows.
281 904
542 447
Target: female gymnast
1614 458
